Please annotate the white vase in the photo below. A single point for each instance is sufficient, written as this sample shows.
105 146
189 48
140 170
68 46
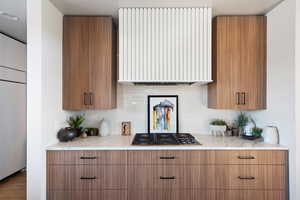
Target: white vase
271 135
104 127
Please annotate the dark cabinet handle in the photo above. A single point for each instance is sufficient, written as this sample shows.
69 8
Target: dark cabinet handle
91 96
88 158
237 98
167 158
88 178
246 157
85 101
167 177
246 177
244 98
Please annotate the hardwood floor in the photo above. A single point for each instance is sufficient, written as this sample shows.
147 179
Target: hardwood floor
14 187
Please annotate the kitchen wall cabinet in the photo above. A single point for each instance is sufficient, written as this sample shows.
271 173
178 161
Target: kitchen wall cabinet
239 63
89 63
167 175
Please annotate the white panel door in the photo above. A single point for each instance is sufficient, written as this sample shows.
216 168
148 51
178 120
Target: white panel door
2 49
13 53
12 128
7 74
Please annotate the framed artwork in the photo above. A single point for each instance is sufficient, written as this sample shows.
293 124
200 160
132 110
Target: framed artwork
126 128
163 114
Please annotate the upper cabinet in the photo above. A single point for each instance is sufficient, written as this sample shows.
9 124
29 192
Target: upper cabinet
239 63
13 53
165 45
89 63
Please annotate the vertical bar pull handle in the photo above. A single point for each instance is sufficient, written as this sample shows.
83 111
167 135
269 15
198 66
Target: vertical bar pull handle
244 98
91 96
85 95
237 98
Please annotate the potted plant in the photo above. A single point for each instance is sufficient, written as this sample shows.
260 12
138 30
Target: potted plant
242 122
218 127
76 122
257 132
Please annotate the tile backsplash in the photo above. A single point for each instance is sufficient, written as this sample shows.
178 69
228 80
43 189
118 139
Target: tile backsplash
194 116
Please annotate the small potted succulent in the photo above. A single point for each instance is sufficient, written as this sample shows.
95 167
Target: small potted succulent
218 127
257 132
76 123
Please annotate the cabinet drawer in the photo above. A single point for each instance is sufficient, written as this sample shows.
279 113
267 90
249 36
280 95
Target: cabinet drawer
251 195
84 177
86 157
251 157
188 194
170 157
180 194
87 195
263 177
171 177
158 177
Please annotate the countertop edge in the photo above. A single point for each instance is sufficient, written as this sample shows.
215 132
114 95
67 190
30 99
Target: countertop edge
153 148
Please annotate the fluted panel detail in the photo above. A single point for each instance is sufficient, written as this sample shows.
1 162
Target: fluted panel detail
165 44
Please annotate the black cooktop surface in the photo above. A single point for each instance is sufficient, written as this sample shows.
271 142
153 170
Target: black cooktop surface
164 139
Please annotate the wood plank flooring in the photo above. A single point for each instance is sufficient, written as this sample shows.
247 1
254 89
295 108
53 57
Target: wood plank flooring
14 187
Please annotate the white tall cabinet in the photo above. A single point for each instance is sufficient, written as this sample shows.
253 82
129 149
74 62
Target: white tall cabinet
12 106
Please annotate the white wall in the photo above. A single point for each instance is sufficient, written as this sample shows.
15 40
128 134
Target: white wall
194 116
280 82
297 101
44 108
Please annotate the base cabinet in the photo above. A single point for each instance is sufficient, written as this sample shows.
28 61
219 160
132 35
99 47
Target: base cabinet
167 175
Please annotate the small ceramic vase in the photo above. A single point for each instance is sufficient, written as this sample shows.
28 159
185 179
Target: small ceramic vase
104 128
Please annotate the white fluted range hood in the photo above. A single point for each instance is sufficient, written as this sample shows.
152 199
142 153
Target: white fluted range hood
165 45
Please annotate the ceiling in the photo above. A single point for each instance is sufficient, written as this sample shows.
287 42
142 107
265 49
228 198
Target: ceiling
220 7
16 29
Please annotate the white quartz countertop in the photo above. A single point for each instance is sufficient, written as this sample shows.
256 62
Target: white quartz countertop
124 143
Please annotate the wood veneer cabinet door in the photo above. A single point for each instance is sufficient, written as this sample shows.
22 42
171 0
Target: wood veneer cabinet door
178 194
86 177
102 59
89 66
75 63
239 63
86 157
87 195
251 195
251 177
155 177
246 157
226 61
253 62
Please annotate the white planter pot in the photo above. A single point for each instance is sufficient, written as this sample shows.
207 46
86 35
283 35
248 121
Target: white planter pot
217 130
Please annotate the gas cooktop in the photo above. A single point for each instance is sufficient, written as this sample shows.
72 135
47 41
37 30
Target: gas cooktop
164 139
